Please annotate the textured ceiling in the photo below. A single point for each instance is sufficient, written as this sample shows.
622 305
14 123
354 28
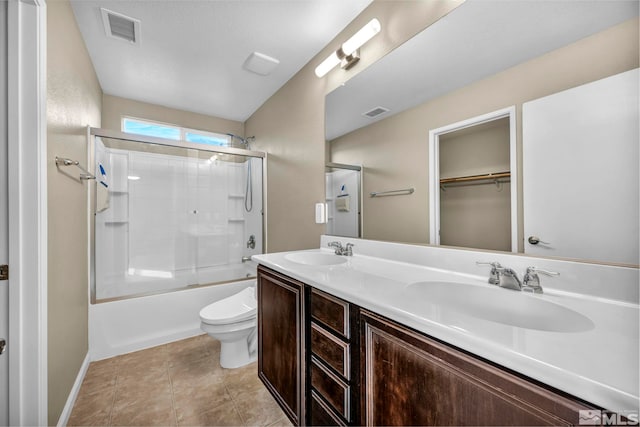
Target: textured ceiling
191 53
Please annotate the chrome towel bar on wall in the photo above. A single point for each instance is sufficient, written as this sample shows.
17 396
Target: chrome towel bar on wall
402 192
61 161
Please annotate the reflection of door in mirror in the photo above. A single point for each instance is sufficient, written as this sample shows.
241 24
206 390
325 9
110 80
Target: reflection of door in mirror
343 193
473 198
475 210
580 171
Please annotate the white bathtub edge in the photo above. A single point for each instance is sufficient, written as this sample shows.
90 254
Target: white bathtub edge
121 327
142 345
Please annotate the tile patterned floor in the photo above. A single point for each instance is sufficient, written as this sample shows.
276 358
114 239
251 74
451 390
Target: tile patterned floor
176 384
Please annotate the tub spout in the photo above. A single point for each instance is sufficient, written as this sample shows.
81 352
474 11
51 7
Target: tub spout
246 258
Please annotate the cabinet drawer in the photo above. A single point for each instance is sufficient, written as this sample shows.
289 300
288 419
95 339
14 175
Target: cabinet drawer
331 311
332 350
322 414
332 388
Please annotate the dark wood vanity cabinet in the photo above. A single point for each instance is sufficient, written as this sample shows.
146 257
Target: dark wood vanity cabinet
281 341
410 379
334 368
329 362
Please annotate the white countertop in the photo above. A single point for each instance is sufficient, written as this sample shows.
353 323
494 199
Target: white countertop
599 365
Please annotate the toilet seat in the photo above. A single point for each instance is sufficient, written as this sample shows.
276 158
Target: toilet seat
236 308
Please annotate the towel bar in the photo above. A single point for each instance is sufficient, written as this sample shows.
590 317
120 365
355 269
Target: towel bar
402 192
61 161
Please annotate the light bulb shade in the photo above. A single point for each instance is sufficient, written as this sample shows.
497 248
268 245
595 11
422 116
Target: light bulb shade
326 65
365 34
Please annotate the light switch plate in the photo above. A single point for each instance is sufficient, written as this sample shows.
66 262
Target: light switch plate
321 213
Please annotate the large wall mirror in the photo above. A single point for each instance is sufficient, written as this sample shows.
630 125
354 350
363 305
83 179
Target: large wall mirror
567 71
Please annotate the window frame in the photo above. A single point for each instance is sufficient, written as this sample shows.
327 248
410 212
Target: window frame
183 131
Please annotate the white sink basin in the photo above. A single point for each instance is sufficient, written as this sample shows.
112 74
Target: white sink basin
315 258
500 305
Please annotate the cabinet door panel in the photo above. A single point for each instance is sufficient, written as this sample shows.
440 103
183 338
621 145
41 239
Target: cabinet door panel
281 341
409 379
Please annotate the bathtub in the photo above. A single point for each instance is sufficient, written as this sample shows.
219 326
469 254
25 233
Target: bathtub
122 326
139 283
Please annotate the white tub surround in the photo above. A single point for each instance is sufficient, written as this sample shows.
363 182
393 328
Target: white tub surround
599 363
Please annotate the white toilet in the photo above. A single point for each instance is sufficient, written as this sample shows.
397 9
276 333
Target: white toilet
232 321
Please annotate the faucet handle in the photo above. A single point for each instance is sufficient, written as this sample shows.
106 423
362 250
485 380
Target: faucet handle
494 275
337 246
492 264
531 281
348 249
541 271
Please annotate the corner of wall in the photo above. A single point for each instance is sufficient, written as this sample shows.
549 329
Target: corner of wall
290 124
74 100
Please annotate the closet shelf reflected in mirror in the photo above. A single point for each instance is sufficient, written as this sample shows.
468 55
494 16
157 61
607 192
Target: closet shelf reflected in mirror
490 178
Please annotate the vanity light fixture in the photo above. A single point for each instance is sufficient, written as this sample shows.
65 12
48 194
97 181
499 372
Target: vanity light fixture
348 54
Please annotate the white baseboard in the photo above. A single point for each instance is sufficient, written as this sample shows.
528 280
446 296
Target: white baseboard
73 394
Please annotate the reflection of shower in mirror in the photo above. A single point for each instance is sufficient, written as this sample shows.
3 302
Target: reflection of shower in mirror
343 193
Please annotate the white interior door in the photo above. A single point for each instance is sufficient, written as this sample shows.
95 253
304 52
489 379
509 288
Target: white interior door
4 223
580 171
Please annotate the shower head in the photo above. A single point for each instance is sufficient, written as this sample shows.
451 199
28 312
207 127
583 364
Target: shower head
237 137
244 141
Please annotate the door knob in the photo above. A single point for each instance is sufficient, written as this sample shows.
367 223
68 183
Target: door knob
534 240
3 345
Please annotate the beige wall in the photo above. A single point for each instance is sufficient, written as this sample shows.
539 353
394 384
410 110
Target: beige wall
114 108
290 125
74 101
394 151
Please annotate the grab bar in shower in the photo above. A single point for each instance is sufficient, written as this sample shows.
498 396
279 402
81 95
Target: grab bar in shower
61 161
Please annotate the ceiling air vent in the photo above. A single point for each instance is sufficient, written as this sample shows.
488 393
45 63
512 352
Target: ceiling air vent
121 27
375 112
260 64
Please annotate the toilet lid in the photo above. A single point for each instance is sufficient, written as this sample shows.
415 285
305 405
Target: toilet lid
236 308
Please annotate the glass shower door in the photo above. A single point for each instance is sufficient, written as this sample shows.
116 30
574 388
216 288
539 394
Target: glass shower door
168 218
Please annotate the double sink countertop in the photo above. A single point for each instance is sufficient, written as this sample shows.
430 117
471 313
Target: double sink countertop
582 344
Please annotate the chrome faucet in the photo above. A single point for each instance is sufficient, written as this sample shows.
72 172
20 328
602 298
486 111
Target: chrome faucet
339 250
508 278
494 275
531 281
502 276
348 250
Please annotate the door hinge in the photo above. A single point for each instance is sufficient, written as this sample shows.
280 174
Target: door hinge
4 272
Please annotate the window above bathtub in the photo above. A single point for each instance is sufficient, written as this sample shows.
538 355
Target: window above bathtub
173 132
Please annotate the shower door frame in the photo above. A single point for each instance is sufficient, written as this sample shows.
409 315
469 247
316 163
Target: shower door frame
356 168
92 133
